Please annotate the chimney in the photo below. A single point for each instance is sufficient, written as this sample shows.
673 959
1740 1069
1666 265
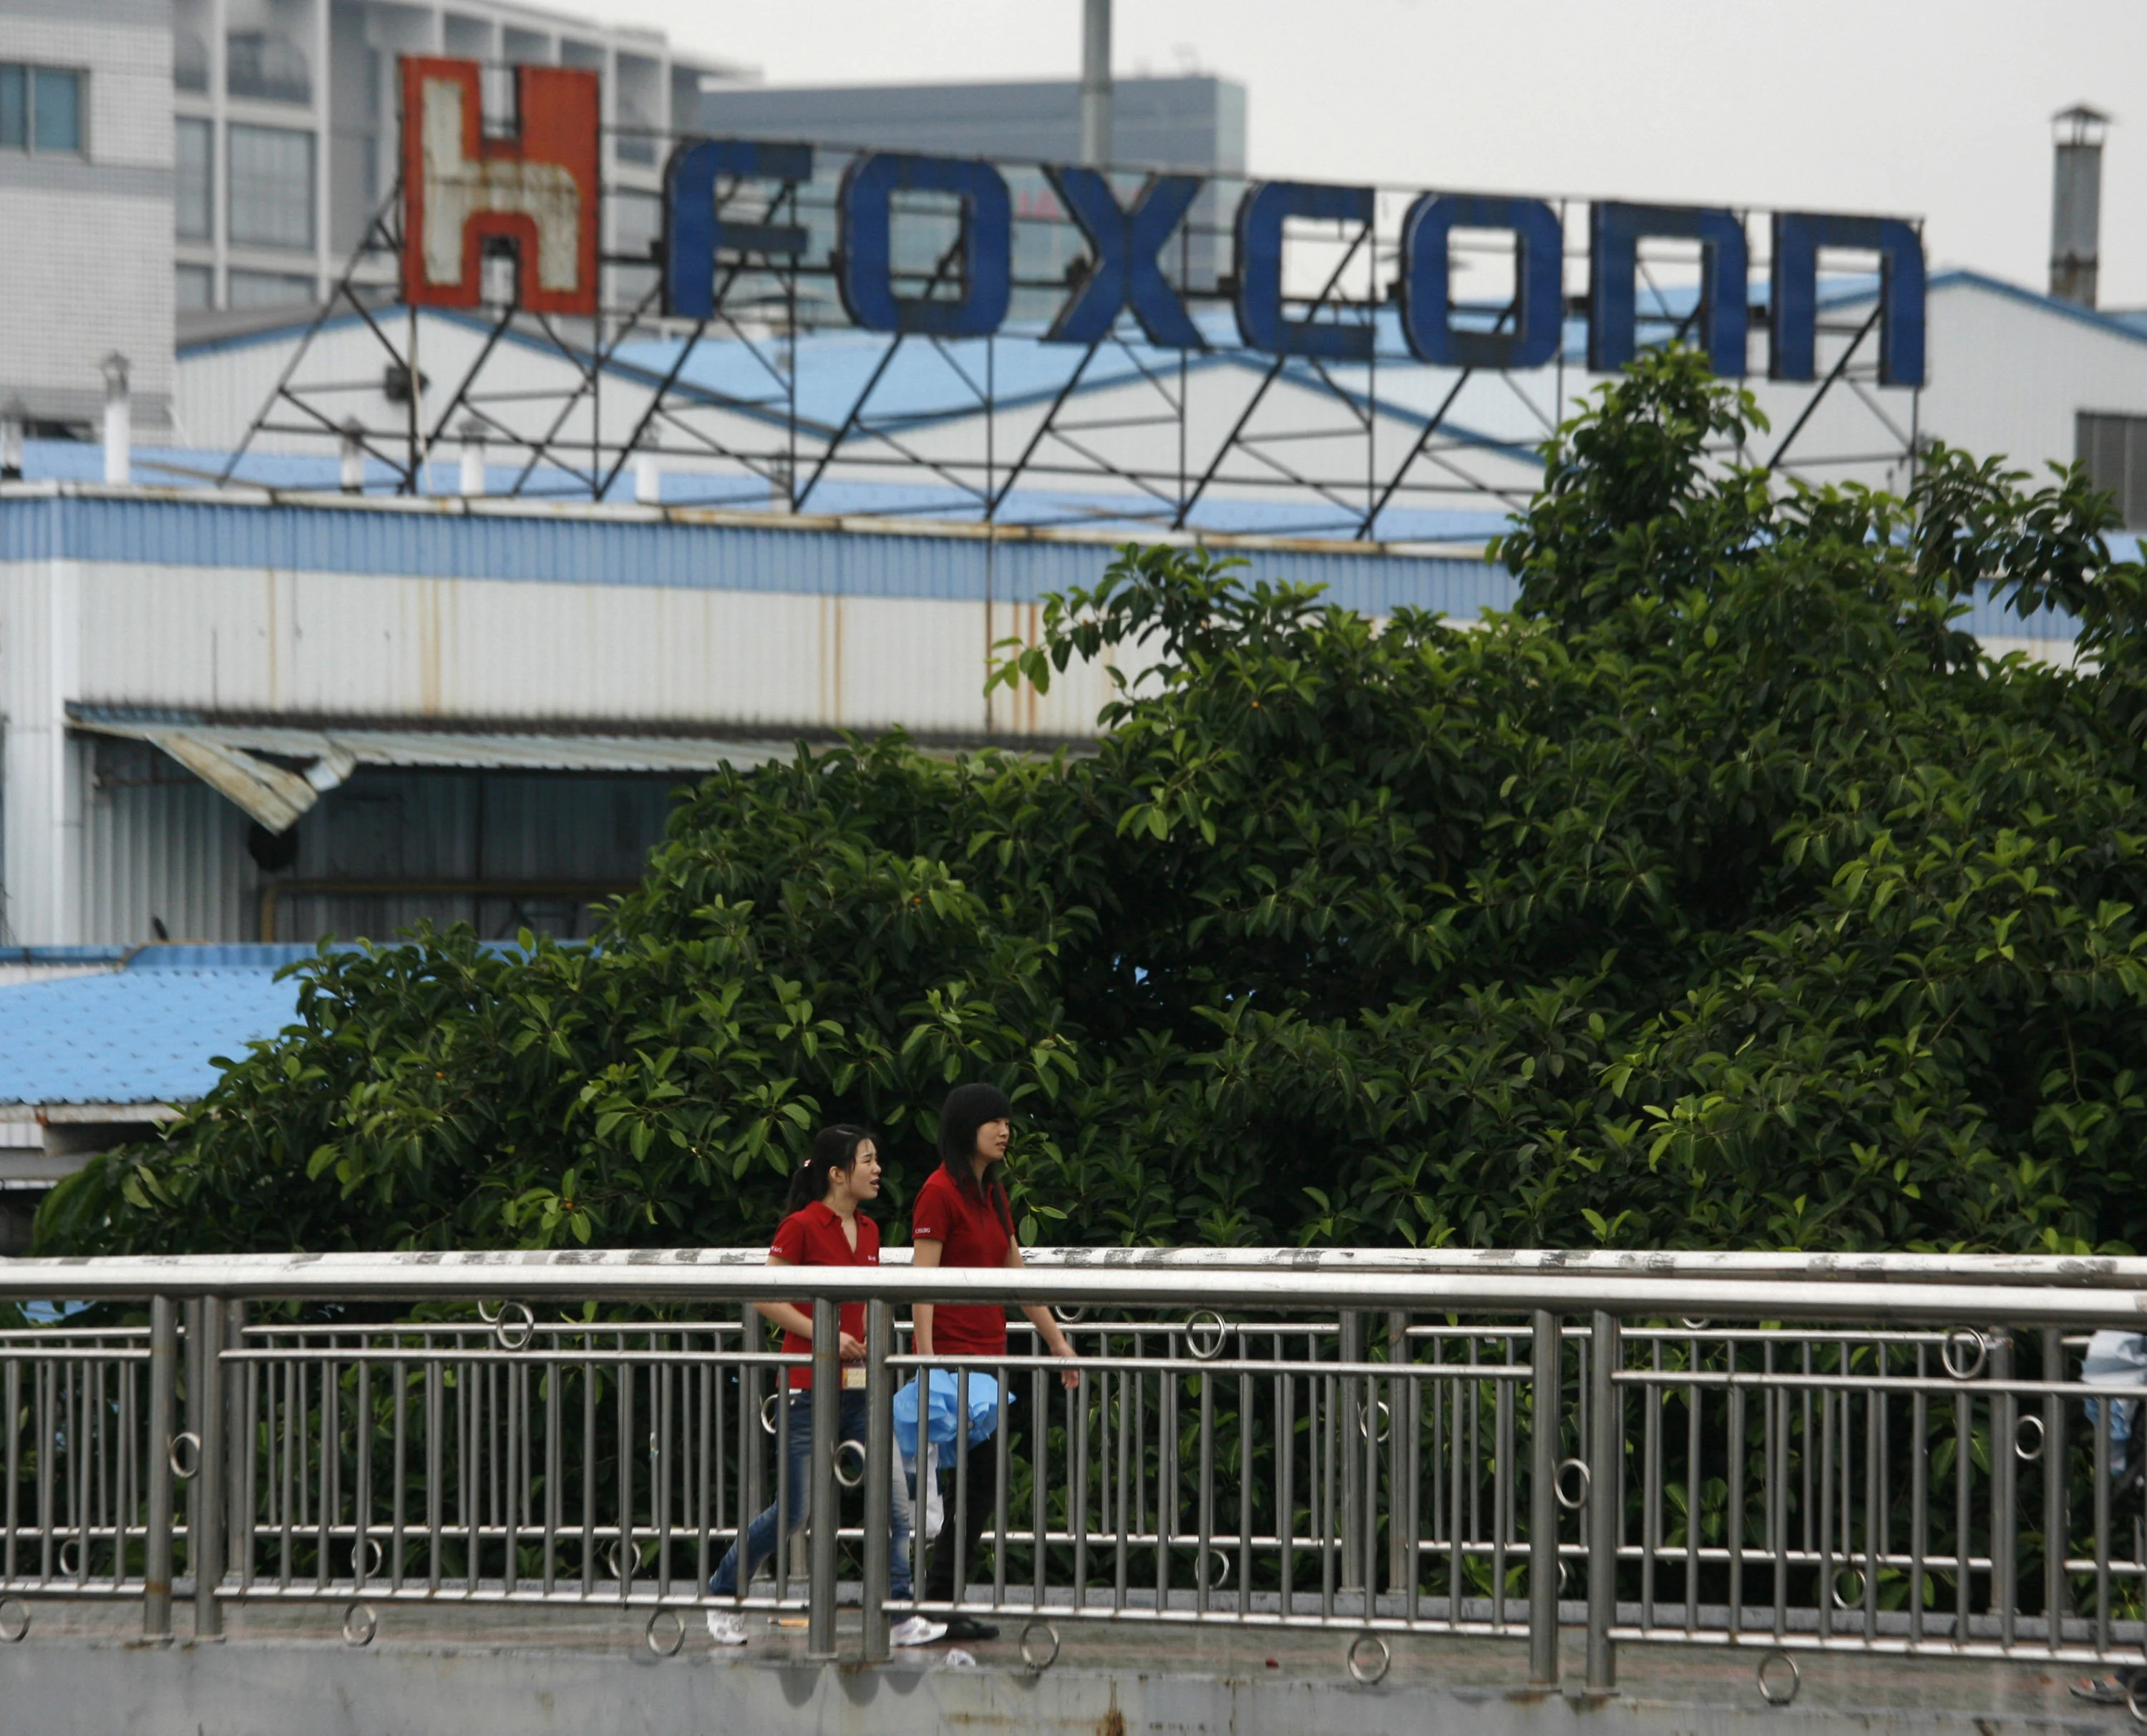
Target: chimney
12 419
472 476
1095 82
2076 203
119 421
353 457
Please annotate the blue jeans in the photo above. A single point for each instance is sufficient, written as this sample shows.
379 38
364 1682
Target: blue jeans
761 1538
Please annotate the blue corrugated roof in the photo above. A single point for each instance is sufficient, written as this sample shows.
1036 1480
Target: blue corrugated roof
138 1035
534 544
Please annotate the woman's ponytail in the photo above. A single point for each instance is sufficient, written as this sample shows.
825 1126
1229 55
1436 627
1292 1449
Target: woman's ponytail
834 1152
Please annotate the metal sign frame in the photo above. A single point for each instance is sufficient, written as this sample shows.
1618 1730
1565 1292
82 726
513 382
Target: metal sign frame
1338 429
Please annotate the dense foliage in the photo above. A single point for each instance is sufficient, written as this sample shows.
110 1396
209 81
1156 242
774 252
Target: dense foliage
1723 894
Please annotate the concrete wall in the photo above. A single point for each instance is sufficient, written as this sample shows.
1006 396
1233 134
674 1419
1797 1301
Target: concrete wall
56 1687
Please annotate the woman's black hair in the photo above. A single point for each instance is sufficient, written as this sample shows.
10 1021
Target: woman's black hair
966 1110
833 1148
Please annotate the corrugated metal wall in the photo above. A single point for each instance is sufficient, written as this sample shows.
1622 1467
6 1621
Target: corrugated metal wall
160 846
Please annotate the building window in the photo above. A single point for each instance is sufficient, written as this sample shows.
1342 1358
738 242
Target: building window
189 62
2114 450
270 289
190 194
272 188
40 109
193 288
266 65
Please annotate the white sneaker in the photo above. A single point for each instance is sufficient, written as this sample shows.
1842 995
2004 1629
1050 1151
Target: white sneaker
725 1628
916 1631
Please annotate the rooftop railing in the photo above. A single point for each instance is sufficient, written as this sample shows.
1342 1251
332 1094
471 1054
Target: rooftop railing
1879 1454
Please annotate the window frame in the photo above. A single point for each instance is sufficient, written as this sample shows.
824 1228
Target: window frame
207 232
30 71
233 130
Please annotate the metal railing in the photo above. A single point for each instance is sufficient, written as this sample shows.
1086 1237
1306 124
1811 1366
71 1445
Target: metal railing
1889 1455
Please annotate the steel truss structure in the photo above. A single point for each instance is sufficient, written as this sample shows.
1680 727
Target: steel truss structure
776 402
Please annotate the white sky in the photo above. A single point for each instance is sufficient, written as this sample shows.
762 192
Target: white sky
1937 108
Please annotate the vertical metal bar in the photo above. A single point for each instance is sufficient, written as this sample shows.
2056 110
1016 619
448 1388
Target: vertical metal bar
1651 1483
554 1506
1963 1465
1605 1514
1246 1460
1204 1513
751 1474
2102 1420
163 1382
1546 1405
879 1475
2005 1469
11 1402
1778 1518
1875 1521
826 1416
205 1544
1003 1491
1733 1505
1128 1473
1504 1517
435 1482
1694 1459
1286 1479
629 1546
590 1472
1353 1413
1919 1502
362 1496
1400 1561
1828 1573
331 1454
401 1455
2057 1521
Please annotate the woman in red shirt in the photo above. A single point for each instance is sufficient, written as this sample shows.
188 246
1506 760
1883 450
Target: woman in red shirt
962 1218
824 1228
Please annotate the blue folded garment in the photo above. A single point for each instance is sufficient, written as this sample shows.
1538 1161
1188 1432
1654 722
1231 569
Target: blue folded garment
983 1411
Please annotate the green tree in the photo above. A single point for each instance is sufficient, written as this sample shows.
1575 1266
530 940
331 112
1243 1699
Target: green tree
1723 894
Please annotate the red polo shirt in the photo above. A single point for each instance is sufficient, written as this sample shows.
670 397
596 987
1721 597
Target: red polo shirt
814 1237
969 1233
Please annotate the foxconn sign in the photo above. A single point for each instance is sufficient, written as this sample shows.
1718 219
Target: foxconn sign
539 190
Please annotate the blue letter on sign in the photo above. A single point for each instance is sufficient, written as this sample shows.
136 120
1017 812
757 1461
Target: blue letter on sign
691 233
867 278
1539 282
1614 264
1260 321
1125 273
1798 236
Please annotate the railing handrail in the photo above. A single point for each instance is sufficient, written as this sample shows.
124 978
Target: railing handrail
2087 1271
1966 1293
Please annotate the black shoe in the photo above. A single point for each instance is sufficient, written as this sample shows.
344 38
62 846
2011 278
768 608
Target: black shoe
968 1627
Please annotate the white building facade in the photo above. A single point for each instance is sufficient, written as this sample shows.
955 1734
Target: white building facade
285 126
86 207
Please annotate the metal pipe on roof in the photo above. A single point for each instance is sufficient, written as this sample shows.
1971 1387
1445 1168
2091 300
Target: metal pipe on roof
2076 203
119 421
1096 82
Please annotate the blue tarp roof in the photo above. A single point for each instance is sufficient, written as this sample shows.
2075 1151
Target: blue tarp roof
144 1033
